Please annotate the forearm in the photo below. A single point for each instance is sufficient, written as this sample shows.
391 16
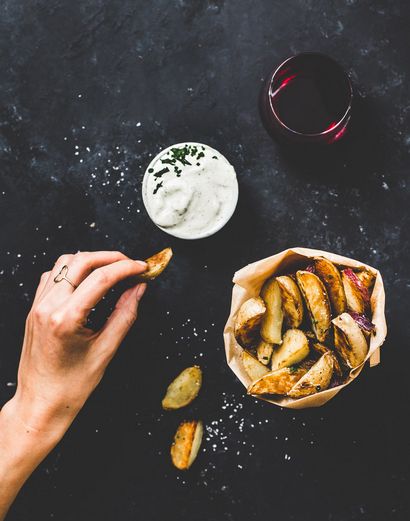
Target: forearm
22 448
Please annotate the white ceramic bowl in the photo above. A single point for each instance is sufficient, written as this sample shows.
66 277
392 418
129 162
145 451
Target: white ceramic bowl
209 231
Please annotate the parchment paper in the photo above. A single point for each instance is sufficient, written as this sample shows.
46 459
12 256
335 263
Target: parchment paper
248 282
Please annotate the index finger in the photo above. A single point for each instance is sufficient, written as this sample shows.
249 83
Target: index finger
101 280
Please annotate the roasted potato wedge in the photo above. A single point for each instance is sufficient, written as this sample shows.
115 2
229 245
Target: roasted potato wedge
316 379
356 293
350 341
321 350
292 303
317 302
264 352
248 319
184 389
187 442
367 278
331 278
253 367
156 265
271 326
294 349
278 382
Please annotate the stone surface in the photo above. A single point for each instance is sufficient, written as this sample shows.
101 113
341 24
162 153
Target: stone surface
89 92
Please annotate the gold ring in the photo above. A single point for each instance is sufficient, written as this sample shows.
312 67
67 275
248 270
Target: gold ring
62 275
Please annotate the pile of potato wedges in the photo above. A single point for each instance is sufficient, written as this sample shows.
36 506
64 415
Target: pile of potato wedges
307 329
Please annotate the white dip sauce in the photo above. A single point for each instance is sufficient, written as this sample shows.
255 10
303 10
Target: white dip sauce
190 190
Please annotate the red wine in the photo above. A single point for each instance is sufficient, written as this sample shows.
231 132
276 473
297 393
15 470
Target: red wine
308 98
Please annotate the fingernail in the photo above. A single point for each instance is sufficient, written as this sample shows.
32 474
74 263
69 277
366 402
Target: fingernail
141 263
140 291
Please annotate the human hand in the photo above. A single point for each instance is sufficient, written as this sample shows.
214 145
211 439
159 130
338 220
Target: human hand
62 361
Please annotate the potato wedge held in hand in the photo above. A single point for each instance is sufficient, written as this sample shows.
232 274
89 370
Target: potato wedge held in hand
264 352
294 349
317 302
350 341
331 278
184 389
156 265
253 367
271 326
316 379
292 303
278 382
248 319
187 442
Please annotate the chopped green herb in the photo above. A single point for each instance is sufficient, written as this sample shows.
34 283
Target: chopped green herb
150 170
160 173
157 187
201 154
214 157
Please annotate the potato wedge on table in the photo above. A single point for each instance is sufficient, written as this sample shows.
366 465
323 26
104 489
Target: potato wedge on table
292 303
350 341
184 389
187 442
317 302
278 382
316 379
331 278
247 321
271 326
156 265
294 349
357 295
253 367
264 352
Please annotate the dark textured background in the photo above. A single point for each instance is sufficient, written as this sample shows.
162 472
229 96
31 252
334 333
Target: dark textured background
89 91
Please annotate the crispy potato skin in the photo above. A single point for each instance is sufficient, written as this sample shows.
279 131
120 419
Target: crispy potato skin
183 389
294 349
277 382
292 302
156 265
316 379
321 350
354 298
186 444
271 326
317 302
350 342
367 279
249 317
252 366
331 278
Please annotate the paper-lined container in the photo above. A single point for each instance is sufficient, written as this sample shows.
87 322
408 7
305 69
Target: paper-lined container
248 282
